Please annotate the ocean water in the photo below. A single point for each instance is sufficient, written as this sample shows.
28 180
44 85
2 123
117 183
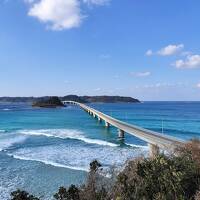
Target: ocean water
42 149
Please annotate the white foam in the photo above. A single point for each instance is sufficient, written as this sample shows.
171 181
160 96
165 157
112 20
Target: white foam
76 156
2 131
8 142
6 109
137 146
99 142
49 163
67 133
4 192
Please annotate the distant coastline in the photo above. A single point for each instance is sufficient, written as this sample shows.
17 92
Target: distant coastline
81 99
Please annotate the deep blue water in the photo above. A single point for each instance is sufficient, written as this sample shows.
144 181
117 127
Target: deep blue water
42 149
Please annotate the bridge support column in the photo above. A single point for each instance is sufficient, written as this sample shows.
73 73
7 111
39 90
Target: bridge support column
120 134
94 115
107 124
99 119
153 150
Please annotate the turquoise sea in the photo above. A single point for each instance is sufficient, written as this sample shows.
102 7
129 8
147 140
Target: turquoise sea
42 149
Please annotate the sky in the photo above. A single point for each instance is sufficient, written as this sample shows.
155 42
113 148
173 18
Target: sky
145 49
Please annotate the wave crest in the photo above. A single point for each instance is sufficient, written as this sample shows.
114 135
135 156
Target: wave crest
6 109
67 134
46 162
9 142
137 146
76 156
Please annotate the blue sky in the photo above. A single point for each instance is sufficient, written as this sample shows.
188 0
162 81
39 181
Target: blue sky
145 49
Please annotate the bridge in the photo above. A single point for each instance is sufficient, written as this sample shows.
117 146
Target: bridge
155 140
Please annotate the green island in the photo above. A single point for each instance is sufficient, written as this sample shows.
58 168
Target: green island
51 102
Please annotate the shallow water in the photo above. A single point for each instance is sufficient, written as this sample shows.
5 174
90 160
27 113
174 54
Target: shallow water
42 149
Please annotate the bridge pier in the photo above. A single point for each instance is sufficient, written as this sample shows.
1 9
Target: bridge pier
153 150
94 115
107 124
120 134
99 119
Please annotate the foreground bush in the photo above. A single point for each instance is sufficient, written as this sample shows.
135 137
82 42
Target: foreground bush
159 178
72 193
174 177
164 177
22 195
192 148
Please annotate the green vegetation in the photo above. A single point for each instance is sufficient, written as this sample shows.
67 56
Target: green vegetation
164 177
51 102
109 99
80 99
22 195
72 193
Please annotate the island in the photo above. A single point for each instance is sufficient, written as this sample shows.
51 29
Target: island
110 99
51 102
81 99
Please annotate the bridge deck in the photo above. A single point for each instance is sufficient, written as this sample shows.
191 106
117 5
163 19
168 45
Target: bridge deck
151 137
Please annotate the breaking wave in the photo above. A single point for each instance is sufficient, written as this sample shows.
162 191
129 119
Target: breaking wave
5 143
49 163
67 134
76 156
137 146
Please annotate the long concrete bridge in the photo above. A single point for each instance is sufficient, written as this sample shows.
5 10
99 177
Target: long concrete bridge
155 140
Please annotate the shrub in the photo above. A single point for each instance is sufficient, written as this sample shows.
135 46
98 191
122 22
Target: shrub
94 166
192 148
164 177
22 195
71 194
94 188
89 191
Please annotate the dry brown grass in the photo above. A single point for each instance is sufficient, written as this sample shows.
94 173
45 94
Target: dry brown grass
193 147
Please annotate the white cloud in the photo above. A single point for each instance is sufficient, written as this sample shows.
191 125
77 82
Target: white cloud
191 62
198 85
170 50
167 51
59 14
149 52
164 85
96 2
140 74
